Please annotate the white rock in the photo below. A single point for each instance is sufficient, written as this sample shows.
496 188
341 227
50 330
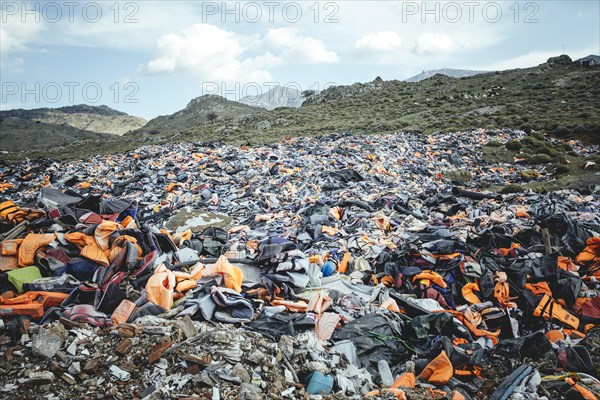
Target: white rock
49 340
119 373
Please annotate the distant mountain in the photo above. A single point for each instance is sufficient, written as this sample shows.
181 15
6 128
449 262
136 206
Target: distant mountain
591 58
279 96
453 73
203 110
101 119
342 92
26 135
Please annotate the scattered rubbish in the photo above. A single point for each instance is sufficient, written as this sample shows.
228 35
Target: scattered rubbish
340 266
319 383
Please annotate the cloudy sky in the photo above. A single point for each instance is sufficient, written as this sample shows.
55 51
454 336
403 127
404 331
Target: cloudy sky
149 58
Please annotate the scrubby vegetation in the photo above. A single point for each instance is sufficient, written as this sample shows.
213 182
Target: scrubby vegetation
514 145
555 101
553 156
512 189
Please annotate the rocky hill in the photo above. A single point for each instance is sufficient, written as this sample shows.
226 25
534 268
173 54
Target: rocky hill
557 99
20 137
102 119
335 93
279 96
453 73
205 110
595 59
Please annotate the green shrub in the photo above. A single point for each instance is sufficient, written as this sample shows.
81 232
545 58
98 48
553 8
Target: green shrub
538 136
211 116
525 152
546 150
513 145
540 159
594 159
529 175
485 184
526 158
494 143
559 169
561 159
561 131
462 175
528 141
512 188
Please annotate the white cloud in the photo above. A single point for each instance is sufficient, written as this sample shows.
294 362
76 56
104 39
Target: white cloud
299 49
15 39
209 53
122 26
385 41
432 44
213 54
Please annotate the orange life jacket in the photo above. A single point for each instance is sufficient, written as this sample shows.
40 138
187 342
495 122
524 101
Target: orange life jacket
10 212
31 303
438 371
547 308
